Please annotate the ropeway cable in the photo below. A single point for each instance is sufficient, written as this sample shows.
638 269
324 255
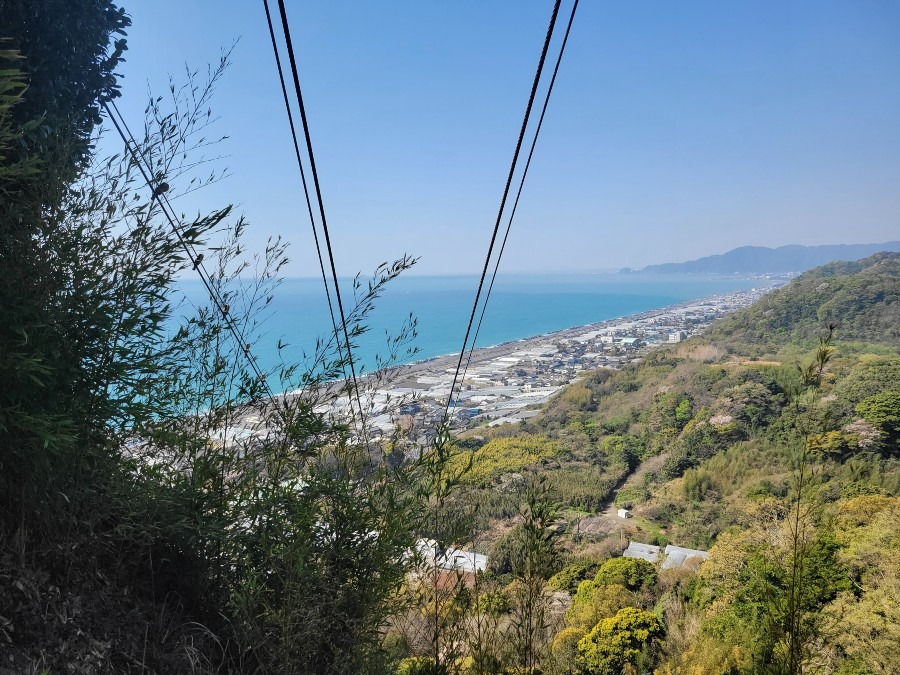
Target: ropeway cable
512 214
133 149
315 175
512 169
312 220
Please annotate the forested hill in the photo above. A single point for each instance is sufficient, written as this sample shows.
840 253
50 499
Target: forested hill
764 260
783 470
861 298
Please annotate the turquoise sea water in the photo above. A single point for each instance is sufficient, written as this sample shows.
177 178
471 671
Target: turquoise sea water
521 305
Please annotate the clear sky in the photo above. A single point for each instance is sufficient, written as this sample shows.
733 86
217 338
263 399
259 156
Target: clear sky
676 129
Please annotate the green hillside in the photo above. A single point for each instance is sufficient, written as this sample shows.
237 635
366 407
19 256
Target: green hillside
861 298
786 469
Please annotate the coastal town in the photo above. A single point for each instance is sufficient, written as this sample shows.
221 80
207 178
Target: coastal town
508 383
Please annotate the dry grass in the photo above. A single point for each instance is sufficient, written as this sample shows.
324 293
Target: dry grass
699 351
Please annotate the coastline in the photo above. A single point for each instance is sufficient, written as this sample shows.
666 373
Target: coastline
487 353
511 381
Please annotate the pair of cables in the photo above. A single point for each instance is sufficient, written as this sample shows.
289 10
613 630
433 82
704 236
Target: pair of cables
509 180
311 159
512 171
159 188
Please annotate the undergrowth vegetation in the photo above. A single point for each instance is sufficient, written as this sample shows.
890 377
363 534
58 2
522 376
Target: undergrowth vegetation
159 510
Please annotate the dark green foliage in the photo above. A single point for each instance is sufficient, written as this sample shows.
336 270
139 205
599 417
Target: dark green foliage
489 504
670 413
780 379
628 497
58 326
701 442
696 485
883 411
320 546
587 488
506 551
14 167
711 377
616 425
763 599
69 65
632 573
86 290
533 563
766 488
873 376
684 411
528 548
621 451
752 404
470 443
662 361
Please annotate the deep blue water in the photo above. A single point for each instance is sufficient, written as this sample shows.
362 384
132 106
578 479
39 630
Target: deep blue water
520 306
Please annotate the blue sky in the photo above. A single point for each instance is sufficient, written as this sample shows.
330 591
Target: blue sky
676 130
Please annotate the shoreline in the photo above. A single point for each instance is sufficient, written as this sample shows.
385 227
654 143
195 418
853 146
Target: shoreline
510 381
490 352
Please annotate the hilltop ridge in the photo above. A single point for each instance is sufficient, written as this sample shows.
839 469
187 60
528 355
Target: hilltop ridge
764 260
861 298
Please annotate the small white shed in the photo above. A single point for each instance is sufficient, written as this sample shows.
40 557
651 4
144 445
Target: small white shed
623 513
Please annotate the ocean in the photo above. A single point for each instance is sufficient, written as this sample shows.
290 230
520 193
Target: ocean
521 305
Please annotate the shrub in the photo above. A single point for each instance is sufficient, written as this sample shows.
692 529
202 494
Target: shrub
628 497
883 411
585 488
505 455
619 641
622 451
564 648
593 602
494 603
632 573
421 665
568 578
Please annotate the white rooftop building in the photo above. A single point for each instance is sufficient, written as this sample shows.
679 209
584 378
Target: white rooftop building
451 559
674 557
647 552
677 556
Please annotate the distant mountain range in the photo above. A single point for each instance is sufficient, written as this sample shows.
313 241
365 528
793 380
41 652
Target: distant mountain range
763 260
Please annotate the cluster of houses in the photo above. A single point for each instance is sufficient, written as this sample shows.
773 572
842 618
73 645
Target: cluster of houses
510 383
511 386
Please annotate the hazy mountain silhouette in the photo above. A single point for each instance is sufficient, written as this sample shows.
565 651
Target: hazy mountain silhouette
763 260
